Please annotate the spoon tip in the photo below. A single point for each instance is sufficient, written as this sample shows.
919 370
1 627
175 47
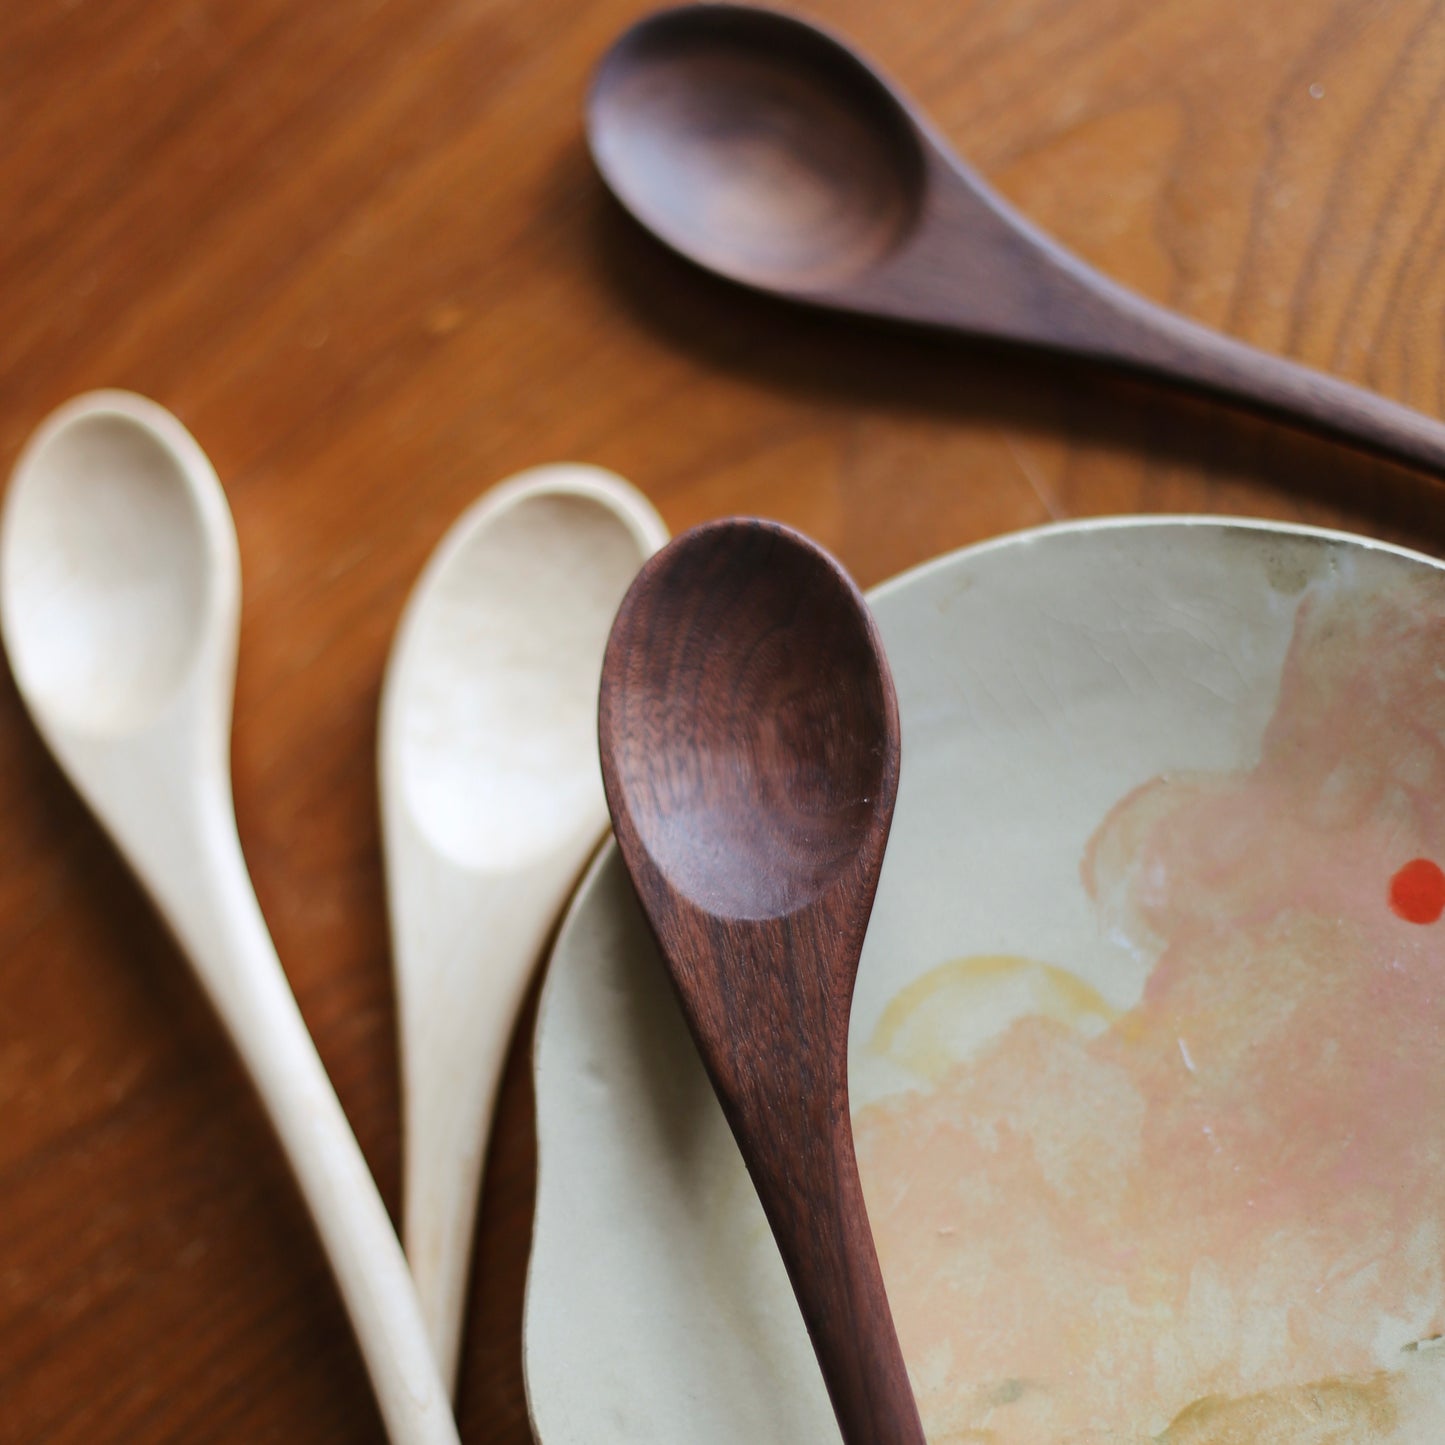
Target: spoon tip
757 145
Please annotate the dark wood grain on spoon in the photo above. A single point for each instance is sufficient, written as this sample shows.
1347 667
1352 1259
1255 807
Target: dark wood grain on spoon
764 149
750 746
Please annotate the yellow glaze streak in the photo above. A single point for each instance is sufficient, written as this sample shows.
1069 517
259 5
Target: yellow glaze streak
923 1026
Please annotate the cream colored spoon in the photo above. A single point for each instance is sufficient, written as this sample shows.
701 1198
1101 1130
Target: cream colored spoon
119 605
491 802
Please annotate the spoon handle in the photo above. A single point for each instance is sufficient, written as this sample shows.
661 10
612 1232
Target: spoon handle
979 267
1124 329
814 1202
219 923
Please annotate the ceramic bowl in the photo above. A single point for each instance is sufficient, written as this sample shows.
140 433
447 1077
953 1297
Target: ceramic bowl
1146 1046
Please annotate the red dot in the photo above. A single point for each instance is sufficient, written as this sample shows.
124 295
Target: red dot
1417 891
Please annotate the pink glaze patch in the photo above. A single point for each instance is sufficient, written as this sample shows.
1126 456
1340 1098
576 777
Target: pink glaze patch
1221 1217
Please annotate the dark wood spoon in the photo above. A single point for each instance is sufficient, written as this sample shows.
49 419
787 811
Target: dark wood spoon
749 738
764 149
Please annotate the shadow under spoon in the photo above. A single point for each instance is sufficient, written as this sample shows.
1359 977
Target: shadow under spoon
765 150
750 746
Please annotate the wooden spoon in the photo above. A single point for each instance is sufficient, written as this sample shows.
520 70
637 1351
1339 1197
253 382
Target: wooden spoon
749 738
764 149
120 602
491 803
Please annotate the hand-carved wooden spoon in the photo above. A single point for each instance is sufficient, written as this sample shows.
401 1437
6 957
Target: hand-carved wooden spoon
491 802
120 603
765 150
749 737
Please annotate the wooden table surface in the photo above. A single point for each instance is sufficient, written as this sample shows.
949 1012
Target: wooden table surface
360 250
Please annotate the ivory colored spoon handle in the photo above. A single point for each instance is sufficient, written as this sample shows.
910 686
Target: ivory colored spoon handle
445 1146
445 1150
476 946
219 923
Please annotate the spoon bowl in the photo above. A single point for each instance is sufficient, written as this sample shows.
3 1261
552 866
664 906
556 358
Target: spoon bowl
780 666
756 145
491 802
119 608
764 149
749 740
110 574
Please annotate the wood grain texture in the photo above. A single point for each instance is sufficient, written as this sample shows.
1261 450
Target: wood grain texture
360 251
749 740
